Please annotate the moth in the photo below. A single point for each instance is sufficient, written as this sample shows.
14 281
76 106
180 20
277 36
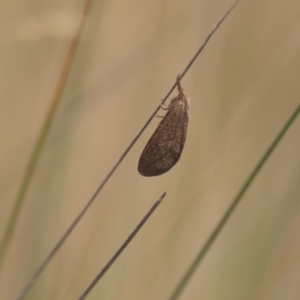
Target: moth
165 146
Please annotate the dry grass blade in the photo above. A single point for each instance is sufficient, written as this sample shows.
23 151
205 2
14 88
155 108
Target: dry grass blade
122 248
64 237
29 172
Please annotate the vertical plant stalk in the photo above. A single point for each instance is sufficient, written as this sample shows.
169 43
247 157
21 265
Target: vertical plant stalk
203 251
37 150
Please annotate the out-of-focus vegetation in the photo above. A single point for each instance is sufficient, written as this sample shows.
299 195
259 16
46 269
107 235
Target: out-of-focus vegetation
243 87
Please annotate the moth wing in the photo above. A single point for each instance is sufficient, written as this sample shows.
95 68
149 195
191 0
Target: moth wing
164 148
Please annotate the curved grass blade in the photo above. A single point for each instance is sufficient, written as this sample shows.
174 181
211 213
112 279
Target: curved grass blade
196 263
37 150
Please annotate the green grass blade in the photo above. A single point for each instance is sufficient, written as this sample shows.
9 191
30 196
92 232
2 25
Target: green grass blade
186 278
37 150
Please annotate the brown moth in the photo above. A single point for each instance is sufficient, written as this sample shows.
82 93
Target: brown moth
164 148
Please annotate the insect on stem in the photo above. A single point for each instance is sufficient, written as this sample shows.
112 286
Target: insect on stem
164 148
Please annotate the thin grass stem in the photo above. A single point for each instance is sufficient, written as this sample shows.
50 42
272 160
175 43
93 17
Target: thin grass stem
122 248
70 229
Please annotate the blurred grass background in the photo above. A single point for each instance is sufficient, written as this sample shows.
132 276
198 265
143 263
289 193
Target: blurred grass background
243 87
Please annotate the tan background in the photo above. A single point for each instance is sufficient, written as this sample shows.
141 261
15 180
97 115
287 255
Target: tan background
243 88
